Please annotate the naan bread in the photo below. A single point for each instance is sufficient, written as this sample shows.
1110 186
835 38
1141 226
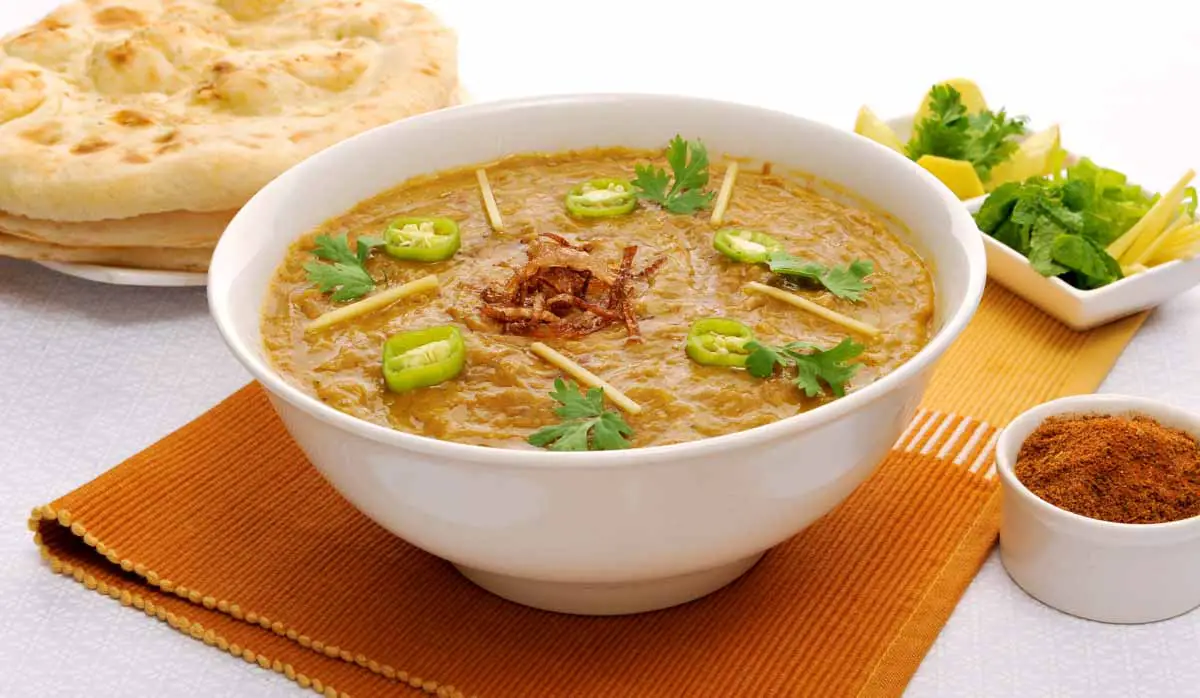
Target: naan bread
171 259
121 108
175 229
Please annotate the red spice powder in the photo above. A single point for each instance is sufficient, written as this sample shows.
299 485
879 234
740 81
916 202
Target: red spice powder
1113 468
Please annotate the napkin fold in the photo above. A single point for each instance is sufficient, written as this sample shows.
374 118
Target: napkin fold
227 533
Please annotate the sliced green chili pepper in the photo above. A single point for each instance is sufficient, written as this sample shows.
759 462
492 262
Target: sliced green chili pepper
749 246
601 198
717 341
422 358
422 239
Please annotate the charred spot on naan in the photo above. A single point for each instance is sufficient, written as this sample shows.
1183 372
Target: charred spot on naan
21 91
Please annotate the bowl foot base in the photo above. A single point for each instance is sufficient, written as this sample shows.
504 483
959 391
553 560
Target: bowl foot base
610 598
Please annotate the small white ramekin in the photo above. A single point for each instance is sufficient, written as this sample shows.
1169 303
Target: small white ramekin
1110 572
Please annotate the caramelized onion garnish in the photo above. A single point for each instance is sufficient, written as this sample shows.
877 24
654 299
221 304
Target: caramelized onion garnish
564 291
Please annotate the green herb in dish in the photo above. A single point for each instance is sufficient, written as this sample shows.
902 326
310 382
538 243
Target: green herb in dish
423 358
422 239
346 274
984 139
718 341
1063 224
689 166
601 198
586 425
815 368
844 282
747 246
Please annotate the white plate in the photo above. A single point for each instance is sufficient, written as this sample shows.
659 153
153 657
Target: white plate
1083 310
1079 310
126 276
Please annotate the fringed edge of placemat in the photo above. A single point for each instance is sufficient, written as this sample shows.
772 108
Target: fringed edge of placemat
957 441
960 441
49 515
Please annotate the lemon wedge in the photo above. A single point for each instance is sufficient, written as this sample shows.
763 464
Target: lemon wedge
958 175
869 125
972 98
1037 156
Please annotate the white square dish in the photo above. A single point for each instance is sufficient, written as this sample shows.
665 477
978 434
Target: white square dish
1079 310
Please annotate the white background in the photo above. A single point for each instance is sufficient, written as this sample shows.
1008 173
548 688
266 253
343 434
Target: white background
90 374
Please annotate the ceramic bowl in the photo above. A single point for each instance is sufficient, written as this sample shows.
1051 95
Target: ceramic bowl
614 531
1111 572
1079 310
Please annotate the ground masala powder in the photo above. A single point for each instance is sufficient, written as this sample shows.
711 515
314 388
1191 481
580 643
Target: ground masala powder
1114 468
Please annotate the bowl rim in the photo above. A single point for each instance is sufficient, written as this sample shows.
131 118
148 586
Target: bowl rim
1097 403
278 386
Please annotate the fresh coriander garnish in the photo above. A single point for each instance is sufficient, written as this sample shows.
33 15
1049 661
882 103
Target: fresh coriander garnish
813 365
586 425
689 165
985 139
346 274
843 282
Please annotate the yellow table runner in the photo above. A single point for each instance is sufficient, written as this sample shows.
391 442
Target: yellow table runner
224 530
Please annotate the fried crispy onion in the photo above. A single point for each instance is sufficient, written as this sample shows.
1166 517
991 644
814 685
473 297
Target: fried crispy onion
564 291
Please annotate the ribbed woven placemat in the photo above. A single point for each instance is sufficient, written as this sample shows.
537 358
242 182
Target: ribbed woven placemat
224 530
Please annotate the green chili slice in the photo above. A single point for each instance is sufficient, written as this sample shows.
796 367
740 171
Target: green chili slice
717 341
601 198
422 358
422 239
749 246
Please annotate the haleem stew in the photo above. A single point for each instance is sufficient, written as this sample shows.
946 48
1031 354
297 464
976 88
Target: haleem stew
592 300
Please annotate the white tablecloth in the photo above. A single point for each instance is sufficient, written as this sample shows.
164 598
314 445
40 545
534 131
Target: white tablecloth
90 374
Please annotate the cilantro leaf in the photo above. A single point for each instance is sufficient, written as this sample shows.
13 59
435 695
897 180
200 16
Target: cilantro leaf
346 275
843 282
568 436
347 281
688 161
610 431
847 282
944 131
582 414
829 367
791 265
813 365
364 245
653 183
985 139
763 359
995 140
334 249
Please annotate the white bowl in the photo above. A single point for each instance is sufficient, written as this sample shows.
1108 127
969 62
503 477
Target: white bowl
1111 572
1077 309
614 531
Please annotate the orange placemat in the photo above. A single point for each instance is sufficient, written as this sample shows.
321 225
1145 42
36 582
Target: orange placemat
224 530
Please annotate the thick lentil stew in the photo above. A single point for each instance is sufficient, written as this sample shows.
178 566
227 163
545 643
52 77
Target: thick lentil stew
466 305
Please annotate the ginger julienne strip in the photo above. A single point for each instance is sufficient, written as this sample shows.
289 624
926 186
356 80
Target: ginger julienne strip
489 201
372 303
585 376
818 310
718 214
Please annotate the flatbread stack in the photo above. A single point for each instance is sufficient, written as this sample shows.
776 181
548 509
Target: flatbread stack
131 131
